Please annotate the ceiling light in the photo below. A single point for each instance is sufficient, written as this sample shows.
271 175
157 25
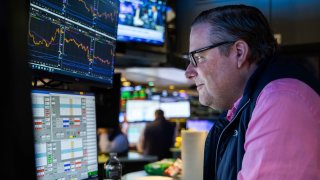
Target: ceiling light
126 83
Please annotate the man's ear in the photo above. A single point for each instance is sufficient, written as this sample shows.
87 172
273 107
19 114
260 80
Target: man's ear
242 50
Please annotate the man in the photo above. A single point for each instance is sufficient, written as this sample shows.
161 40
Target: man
271 130
113 140
157 138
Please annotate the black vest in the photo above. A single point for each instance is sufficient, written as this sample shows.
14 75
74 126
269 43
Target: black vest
224 148
158 138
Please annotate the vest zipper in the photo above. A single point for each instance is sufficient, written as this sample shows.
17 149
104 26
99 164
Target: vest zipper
223 132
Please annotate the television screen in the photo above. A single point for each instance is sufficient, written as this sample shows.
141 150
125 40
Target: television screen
142 21
178 109
65 135
199 125
74 38
141 110
134 132
121 117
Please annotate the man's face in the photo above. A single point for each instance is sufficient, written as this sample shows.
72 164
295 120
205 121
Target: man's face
215 75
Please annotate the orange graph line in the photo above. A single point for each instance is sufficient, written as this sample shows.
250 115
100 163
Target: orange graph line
101 60
44 41
86 49
105 14
81 46
85 5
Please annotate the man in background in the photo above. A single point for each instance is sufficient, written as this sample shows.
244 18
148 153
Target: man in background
157 137
271 126
112 140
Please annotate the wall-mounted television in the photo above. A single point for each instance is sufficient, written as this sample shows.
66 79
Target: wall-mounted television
141 110
74 39
199 124
178 109
142 21
134 132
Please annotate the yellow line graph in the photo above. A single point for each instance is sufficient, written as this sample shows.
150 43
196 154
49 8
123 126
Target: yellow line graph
47 43
105 14
81 46
44 41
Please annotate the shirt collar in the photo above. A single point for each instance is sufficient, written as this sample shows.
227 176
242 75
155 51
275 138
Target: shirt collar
233 110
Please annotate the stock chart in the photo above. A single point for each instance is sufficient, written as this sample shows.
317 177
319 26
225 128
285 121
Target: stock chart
74 37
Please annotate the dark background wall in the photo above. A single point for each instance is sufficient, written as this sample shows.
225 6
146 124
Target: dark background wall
297 22
108 103
17 147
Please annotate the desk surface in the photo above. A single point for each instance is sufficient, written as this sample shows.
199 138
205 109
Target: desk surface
132 157
142 175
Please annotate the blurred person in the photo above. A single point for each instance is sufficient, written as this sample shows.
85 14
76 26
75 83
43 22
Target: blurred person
157 137
113 140
137 21
269 128
156 16
124 125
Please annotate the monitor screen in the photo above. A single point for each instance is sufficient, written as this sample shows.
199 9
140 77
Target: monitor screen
141 110
199 125
178 109
142 21
134 131
65 135
121 117
73 39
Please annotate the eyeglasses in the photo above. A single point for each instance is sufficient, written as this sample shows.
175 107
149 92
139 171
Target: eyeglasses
194 60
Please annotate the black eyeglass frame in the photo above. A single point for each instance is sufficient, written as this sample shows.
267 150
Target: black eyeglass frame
192 53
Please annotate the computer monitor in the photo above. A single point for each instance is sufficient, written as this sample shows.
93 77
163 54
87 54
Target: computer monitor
65 135
142 21
73 40
134 131
121 117
141 110
199 125
177 109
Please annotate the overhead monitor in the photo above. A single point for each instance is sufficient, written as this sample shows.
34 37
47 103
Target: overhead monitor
73 39
177 109
65 135
199 125
142 21
141 110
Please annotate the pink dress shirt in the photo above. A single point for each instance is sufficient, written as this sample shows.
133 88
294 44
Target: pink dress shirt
283 135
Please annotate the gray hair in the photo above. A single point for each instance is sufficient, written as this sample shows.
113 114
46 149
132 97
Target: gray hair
235 22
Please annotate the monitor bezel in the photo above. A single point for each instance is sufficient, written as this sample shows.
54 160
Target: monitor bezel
40 74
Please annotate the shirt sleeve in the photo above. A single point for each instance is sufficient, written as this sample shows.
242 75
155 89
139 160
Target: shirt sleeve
103 142
119 144
283 136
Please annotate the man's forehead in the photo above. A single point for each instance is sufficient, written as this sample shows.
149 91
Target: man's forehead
201 29
199 36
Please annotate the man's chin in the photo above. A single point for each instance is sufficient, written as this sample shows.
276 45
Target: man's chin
203 101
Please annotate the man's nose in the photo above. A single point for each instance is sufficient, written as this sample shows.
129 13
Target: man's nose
190 72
